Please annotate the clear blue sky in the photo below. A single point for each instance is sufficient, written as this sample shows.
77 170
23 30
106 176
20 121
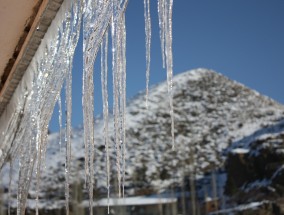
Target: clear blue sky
242 39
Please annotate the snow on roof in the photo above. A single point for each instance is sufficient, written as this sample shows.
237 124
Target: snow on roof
252 206
138 200
240 151
208 199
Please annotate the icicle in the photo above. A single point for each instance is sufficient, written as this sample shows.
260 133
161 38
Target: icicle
27 161
124 97
68 137
119 100
38 167
165 21
73 38
53 63
67 35
148 44
88 107
49 66
88 114
169 59
115 89
95 24
116 116
161 15
41 153
10 186
60 121
104 76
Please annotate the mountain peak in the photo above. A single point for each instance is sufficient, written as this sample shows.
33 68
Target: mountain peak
211 113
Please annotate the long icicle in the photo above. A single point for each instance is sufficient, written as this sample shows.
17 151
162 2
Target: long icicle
49 68
41 133
68 137
95 37
169 59
114 29
95 26
104 83
123 96
88 101
26 162
161 15
147 17
116 126
165 8
76 12
37 135
38 167
10 186
60 121
119 76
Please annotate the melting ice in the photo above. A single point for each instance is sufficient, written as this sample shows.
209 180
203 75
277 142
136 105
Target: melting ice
52 66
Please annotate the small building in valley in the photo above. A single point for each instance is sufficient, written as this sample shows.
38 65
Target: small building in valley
140 205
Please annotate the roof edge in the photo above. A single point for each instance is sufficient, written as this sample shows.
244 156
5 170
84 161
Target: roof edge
26 48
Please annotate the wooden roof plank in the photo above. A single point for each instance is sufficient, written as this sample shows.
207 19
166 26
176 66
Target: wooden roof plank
42 21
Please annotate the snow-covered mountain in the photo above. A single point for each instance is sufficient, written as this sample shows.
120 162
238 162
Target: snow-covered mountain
213 116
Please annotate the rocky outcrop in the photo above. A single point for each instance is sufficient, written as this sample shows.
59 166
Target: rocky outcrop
259 208
256 173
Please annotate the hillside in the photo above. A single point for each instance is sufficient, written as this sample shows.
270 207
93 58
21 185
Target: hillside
213 116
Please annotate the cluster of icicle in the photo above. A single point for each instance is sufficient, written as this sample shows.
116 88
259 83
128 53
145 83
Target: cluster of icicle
52 66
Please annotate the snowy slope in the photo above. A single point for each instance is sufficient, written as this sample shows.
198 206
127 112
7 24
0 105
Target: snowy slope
259 162
211 113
